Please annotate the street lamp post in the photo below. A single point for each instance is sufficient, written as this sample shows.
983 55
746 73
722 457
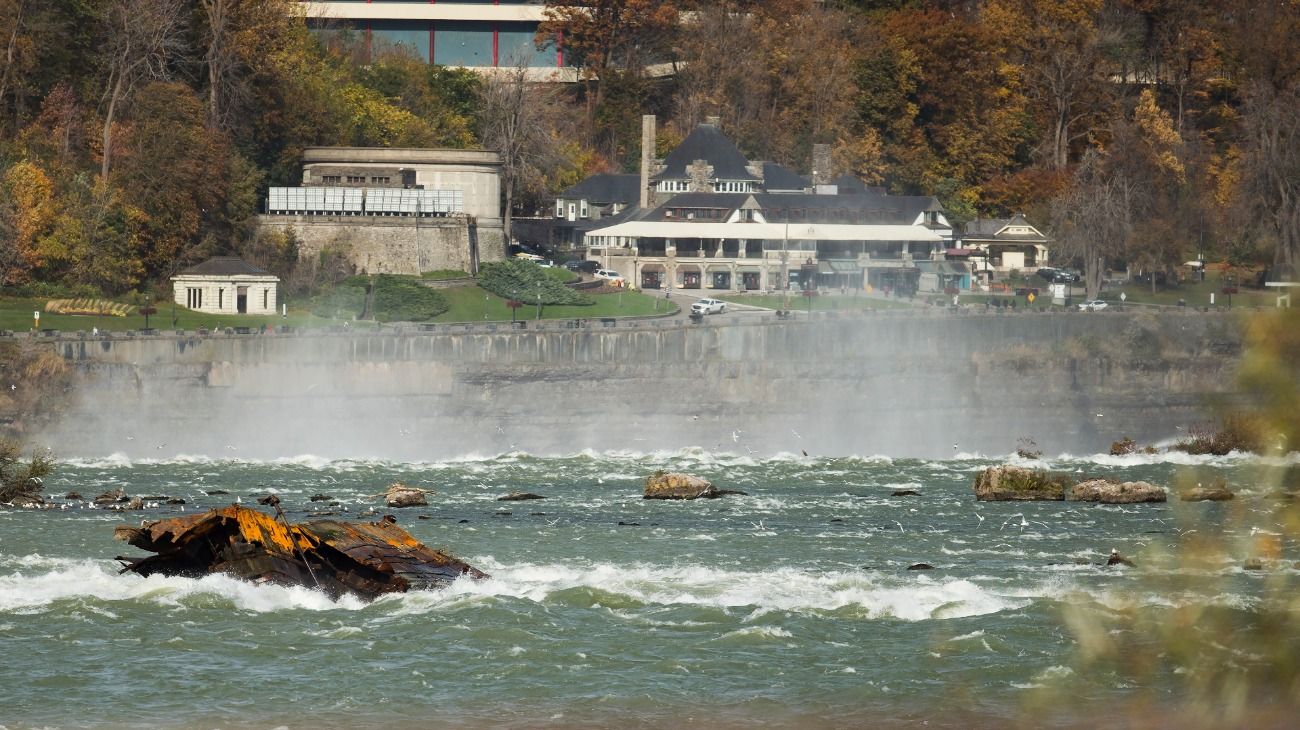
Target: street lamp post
539 302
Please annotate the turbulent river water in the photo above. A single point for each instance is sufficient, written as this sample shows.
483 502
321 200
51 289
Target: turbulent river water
792 606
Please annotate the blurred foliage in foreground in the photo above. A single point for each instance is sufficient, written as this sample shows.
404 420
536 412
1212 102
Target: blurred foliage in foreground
1208 635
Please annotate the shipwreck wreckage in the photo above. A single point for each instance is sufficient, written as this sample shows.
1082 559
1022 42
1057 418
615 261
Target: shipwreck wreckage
364 559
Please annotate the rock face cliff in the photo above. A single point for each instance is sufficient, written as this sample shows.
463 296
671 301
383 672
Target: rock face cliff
897 384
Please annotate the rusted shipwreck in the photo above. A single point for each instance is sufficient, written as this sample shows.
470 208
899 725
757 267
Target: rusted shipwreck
365 559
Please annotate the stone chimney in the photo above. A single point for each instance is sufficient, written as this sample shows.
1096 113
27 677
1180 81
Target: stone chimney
821 165
647 156
698 175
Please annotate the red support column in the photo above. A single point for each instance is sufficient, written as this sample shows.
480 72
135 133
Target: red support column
496 29
432 27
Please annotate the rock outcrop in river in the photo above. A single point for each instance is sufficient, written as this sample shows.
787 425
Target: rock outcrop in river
1013 483
365 559
675 485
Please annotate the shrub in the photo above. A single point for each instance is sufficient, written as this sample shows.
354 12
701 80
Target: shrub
18 480
344 301
514 279
445 274
398 299
1123 447
1237 432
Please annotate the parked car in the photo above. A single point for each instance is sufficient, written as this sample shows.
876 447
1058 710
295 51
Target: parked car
580 265
1065 276
546 263
708 306
1047 273
612 277
1095 305
529 257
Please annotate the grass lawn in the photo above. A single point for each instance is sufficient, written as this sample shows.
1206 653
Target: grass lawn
1195 293
473 304
818 303
16 315
468 304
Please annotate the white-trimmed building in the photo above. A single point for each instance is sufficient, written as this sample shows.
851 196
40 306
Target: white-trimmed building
226 285
1002 245
761 241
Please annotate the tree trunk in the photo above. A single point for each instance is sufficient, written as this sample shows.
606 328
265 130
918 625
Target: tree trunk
108 127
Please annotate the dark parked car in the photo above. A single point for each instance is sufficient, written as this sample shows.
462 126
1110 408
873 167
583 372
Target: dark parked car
1047 273
584 266
1064 276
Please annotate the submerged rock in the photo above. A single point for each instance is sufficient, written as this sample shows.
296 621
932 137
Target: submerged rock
321 498
676 485
113 497
1216 493
27 500
1013 483
1106 491
1117 559
73 495
905 493
519 497
400 495
920 566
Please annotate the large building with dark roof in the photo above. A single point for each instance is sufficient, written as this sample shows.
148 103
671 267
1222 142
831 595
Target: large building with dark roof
718 221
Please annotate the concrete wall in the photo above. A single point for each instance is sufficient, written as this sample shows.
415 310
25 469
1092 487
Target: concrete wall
879 384
392 245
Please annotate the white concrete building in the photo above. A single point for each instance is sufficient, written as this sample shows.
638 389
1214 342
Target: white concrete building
226 285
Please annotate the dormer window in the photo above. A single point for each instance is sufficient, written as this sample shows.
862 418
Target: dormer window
582 208
559 207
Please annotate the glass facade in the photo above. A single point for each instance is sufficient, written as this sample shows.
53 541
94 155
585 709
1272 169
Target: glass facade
444 42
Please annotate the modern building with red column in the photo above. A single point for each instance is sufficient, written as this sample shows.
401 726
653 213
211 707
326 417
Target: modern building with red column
476 34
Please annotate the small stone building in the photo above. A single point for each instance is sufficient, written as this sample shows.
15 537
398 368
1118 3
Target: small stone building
226 285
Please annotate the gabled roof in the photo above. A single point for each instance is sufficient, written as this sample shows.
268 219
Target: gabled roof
993 229
706 142
225 266
778 177
606 188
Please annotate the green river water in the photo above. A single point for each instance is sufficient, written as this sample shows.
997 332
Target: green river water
789 607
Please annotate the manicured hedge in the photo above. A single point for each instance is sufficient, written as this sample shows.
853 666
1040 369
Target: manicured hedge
396 299
522 280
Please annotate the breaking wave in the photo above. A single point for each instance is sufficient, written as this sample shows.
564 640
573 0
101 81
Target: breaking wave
44 584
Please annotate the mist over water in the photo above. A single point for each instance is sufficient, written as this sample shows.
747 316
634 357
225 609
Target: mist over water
792 606
907 386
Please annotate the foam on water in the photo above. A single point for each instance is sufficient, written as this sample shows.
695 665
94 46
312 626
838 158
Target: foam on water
916 598
63 580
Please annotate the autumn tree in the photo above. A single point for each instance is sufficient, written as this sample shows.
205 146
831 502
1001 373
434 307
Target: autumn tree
602 38
144 39
1058 48
514 126
174 171
1269 172
240 38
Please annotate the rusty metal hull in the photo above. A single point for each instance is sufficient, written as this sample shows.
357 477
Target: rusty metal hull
365 559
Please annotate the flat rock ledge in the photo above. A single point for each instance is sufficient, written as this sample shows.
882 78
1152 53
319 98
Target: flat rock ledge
675 485
1109 492
1014 483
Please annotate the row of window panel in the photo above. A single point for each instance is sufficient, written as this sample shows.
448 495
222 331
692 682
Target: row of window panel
446 43
720 186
